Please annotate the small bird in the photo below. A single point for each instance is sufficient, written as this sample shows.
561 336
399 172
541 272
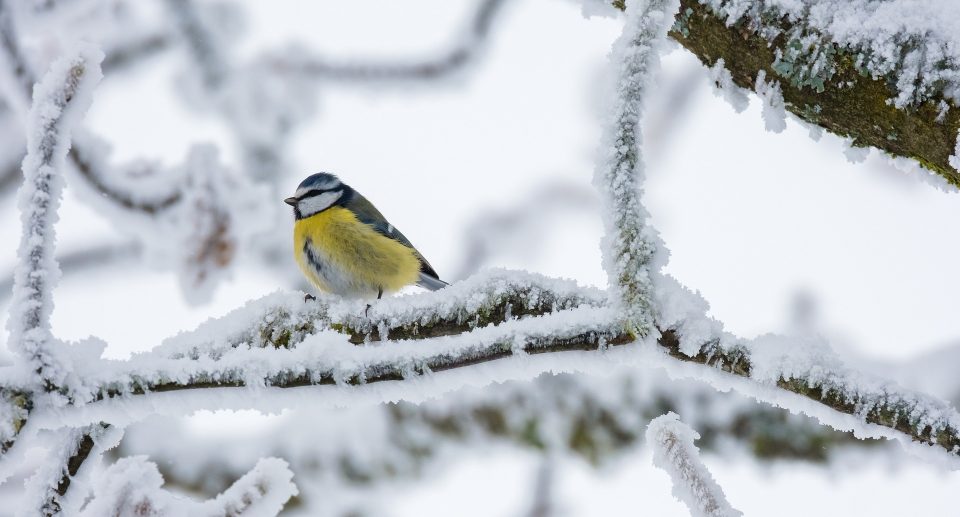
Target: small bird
346 247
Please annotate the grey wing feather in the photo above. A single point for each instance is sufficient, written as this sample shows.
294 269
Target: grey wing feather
368 214
430 282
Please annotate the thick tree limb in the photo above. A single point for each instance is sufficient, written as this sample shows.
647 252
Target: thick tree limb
850 104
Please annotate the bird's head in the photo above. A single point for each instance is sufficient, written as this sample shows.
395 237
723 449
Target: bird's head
317 193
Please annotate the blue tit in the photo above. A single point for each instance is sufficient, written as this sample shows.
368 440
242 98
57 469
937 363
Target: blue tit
346 247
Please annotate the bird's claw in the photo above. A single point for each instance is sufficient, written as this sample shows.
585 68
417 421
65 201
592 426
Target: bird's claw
309 298
366 312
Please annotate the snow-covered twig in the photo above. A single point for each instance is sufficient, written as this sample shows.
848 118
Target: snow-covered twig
94 171
95 256
203 47
674 452
132 487
631 245
47 488
59 102
263 491
493 231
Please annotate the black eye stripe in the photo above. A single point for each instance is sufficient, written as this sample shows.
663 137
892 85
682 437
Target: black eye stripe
317 192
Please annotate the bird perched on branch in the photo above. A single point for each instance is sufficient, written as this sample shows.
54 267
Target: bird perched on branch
345 246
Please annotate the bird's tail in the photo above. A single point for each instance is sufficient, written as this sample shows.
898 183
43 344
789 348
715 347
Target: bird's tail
430 282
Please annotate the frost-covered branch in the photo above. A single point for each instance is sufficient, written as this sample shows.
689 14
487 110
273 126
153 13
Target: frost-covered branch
345 364
596 418
806 367
59 101
674 452
47 489
868 70
630 248
133 487
281 341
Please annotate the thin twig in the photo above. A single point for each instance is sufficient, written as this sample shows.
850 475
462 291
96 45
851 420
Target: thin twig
448 62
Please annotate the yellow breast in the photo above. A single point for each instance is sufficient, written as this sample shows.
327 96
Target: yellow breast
341 255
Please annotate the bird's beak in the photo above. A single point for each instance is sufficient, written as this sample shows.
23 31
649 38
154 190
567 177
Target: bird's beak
292 201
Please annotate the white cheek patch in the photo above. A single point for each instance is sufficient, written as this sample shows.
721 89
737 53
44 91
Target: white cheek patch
318 203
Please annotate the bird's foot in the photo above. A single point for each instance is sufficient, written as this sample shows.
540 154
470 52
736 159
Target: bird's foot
366 312
309 298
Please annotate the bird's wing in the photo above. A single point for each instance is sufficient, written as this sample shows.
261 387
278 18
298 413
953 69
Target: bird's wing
369 215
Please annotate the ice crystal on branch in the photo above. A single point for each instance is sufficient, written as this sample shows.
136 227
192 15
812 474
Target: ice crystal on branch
724 87
774 115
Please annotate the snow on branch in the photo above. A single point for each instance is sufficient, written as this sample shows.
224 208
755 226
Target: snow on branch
490 297
674 452
132 487
283 320
59 101
631 245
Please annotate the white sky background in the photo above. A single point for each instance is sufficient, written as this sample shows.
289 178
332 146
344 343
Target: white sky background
751 218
